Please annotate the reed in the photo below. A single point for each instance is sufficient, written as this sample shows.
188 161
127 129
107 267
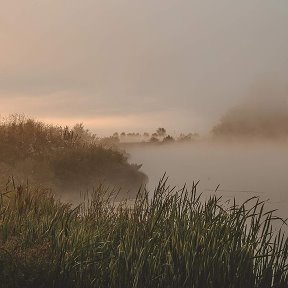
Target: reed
169 239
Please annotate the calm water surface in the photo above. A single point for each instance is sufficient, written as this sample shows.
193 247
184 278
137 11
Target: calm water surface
242 170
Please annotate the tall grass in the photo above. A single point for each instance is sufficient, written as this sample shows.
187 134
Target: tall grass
172 239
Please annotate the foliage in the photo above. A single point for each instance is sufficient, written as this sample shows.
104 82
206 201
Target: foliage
188 137
168 138
263 119
154 139
170 240
161 132
61 157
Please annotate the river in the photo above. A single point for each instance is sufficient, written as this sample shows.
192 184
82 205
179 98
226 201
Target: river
242 170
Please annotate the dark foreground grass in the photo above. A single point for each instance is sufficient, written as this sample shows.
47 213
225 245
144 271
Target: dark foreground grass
170 240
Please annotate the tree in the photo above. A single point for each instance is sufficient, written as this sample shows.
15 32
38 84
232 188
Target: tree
161 132
168 139
84 134
154 135
154 139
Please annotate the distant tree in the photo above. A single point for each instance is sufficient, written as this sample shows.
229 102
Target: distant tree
161 132
188 137
123 134
115 137
184 138
154 139
168 139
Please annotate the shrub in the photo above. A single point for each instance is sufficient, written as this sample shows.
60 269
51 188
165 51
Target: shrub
61 157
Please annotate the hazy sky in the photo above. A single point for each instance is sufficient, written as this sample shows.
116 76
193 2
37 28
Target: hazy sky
138 64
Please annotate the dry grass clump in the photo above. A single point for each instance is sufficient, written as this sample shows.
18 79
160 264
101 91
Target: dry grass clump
170 240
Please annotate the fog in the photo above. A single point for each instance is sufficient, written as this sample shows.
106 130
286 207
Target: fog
189 66
262 115
137 64
242 170
246 153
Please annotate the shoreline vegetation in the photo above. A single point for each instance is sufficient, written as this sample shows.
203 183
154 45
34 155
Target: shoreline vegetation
171 239
62 158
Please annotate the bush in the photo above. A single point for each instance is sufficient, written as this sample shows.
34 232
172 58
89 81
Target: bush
61 157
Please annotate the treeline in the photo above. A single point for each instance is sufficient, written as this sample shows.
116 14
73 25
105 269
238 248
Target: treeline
159 136
262 117
61 157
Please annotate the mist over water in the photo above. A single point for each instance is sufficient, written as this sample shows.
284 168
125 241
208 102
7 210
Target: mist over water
246 153
242 169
